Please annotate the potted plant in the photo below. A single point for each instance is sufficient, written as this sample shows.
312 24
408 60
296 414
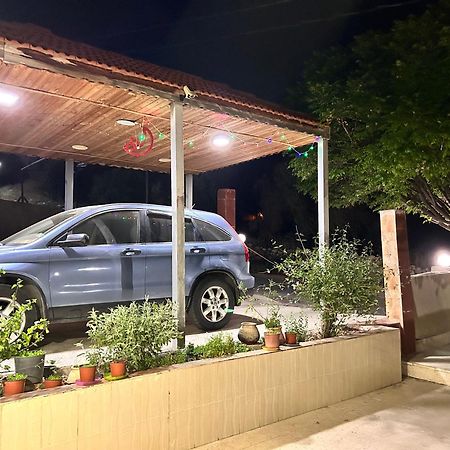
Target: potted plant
296 329
14 384
53 380
88 370
114 339
31 363
272 335
118 368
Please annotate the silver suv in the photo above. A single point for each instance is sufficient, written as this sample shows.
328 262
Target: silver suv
99 256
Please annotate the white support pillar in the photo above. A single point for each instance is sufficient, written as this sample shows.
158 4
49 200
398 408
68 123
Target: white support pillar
177 189
322 192
68 191
189 190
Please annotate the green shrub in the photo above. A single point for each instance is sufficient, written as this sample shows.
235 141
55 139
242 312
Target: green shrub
16 377
13 342
134 333
54 377
219 345
339 281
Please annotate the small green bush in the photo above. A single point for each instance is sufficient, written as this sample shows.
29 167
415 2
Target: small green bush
339 281
16 377
219 345
13 342
134 333
54 377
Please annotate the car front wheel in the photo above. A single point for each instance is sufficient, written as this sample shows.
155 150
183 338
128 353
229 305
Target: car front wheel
213 304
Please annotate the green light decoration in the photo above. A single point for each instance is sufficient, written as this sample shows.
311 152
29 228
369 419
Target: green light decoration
191 144
141 137
161 135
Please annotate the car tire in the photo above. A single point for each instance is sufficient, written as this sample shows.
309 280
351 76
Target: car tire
213 304
24 294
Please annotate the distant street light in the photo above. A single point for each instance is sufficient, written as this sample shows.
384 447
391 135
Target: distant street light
443 259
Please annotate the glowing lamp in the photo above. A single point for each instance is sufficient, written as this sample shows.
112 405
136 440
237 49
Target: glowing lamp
7 98
221 140
443 259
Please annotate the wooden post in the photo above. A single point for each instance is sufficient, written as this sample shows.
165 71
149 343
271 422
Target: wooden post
68 190
397 276
189 190
177 195
322 192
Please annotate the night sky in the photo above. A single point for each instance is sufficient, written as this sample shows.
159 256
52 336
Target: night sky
259 46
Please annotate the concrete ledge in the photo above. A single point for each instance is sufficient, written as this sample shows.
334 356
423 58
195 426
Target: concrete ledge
196 403
426 372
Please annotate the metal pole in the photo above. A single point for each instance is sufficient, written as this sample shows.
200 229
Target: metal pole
68 192
146 186
177 191
322 192
189 190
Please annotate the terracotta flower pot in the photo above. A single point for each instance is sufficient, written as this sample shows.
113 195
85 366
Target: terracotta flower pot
48 384
87 373
291 337
118 368
13 387
248 333
271 339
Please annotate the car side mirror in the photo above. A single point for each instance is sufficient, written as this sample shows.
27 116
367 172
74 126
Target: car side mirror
74 240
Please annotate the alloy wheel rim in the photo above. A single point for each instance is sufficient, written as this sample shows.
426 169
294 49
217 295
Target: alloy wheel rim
7 307
214 303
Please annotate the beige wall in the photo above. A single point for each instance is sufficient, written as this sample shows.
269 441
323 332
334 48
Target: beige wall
197 403
432 301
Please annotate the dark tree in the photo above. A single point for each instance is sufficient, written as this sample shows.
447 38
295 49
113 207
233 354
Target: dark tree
386 98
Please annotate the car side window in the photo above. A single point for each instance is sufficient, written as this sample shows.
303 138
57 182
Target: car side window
115 227
160 226
210 232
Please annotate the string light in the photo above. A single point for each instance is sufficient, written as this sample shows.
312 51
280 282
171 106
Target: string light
234 137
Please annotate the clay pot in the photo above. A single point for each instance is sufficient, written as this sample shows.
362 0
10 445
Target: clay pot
118 368
31 366
48 384
13 387
291 338
271 339
248 333
87 373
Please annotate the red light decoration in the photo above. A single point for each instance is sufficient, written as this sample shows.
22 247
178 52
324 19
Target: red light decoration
139 145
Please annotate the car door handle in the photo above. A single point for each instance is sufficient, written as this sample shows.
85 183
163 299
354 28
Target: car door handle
198 250
130 252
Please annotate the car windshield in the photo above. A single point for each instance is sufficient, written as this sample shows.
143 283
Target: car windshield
36 231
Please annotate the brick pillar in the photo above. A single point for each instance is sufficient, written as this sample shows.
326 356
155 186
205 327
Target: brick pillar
226 205
397 276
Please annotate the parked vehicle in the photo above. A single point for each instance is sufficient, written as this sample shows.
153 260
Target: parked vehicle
99 256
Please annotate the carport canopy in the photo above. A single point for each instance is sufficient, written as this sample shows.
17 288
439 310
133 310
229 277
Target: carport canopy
63 100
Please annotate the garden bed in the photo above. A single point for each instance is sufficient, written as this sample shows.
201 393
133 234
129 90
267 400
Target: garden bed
195 403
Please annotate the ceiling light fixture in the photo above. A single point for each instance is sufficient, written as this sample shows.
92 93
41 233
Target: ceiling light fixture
126 122
80 147
164 160
221 140
7 98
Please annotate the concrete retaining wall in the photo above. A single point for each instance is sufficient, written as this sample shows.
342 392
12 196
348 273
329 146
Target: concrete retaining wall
432 302
197 403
